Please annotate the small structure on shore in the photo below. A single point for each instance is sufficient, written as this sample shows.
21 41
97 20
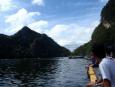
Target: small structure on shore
75 57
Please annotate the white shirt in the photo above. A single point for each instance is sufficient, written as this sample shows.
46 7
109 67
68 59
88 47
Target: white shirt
107 68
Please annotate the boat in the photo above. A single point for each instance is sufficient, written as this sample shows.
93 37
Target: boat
91 74
87 58
75 57
79 56
71 57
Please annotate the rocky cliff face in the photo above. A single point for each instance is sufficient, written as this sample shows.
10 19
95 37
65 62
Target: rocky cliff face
104 34
108 12
28 44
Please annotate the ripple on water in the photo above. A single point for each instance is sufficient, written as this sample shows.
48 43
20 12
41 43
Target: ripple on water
57 72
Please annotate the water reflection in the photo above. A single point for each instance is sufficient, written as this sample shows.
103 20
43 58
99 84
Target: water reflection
42 73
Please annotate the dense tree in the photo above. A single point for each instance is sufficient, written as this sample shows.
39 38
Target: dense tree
83 49
104 33
27 44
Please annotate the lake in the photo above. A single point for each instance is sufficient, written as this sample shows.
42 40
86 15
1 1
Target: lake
55 72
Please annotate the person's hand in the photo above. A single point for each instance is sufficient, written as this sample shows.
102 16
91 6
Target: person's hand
99 82
91 84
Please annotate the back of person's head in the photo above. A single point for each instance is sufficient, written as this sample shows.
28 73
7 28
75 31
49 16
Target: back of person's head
98 50
108 50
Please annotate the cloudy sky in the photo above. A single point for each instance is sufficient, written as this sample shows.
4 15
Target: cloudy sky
66 21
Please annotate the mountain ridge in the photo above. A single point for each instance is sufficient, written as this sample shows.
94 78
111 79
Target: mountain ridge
27 43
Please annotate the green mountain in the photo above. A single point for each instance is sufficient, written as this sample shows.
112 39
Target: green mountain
27 43
83 49
104 33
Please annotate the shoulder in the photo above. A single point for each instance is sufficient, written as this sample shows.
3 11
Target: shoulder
104 63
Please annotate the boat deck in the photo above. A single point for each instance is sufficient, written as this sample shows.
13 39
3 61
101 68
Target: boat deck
92 74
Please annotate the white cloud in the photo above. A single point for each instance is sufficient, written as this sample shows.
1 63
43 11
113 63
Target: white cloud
22 16
72 33
20 19
38 2
39 26
65 34
104 0
5 5
62 33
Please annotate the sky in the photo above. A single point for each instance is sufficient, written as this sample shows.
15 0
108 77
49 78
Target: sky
65 21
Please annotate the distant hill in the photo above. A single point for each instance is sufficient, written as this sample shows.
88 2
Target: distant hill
104 33
27 43
83 50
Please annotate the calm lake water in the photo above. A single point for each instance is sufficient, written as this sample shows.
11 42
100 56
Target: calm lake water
56 72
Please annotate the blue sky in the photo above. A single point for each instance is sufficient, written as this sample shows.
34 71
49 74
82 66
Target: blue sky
66 21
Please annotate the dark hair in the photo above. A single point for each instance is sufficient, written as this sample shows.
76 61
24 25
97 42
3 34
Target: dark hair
98 50
108 50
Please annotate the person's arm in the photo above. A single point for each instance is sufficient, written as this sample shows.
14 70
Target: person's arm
106 83
99 81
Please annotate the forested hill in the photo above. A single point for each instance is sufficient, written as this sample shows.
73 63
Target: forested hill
104 33
27 43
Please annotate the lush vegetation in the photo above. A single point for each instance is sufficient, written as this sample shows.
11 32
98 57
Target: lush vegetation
102 35
28 44
108 12
83 50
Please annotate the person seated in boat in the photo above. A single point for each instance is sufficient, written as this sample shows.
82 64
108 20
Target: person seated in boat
106 66
94 60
